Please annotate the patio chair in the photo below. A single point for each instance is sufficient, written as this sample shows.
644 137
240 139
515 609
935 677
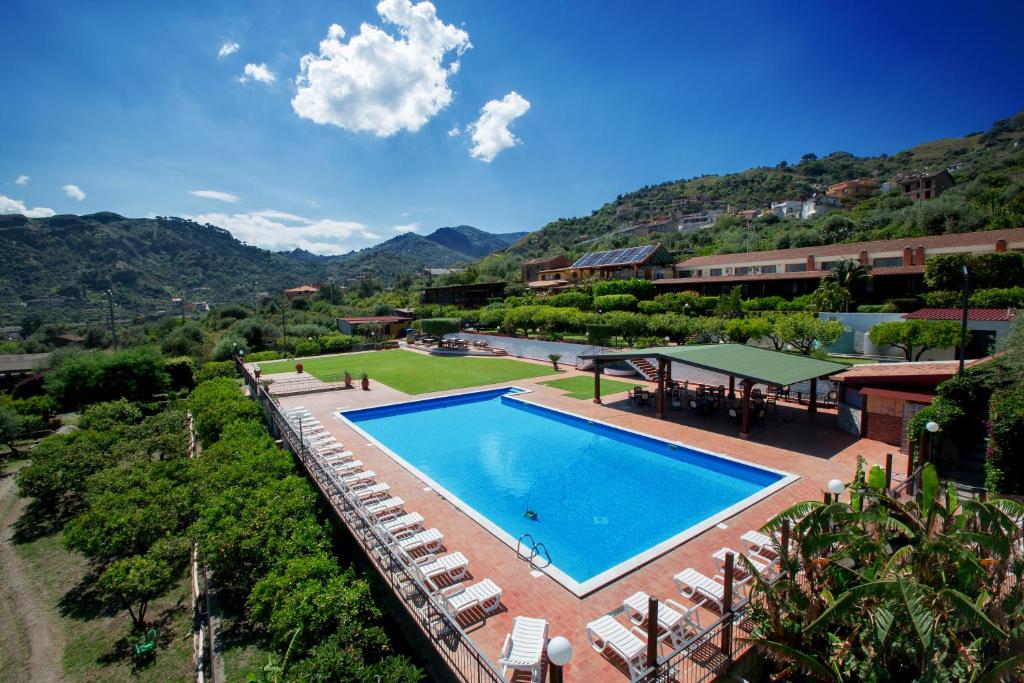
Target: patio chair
346 467
366 493
484 595
429 541
760 543
334 455
677 401
700 588
763 566
410 521
673 618
387 506
523 649
606 634
358 479
430 567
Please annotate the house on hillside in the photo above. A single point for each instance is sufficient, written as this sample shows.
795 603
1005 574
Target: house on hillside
817 206
749 214
464 296
921 186
787 208
897 265
301 290
532 267
856 189
649 262
701 219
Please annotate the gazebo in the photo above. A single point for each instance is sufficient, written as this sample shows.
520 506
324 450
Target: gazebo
750 363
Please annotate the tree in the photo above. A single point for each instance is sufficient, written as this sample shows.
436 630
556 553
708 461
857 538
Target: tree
922 335
848 275
830 296
836 228
10 428
135 581
886 589
806 333
730 305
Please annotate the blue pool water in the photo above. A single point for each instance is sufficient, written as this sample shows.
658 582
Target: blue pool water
602 495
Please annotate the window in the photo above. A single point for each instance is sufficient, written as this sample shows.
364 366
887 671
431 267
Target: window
796 267
767 269
890 262
715 272
742 270
828 265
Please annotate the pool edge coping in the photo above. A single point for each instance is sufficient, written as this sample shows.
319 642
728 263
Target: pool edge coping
615 572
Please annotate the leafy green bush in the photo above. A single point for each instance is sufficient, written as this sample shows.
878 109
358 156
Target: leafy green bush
88 377
599 335
942 299
767 303
438 327
335 343
180 372
262 356
110 416
994 269
615 302
217 403
570 299
307 347
215 369
228 347
1005 297
870 308
640 288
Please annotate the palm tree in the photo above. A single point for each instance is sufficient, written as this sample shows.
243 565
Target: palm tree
889 589
848 274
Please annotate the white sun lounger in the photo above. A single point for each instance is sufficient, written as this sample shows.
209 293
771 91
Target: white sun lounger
429 540
672 617
763 567
431 567
607 634
699 587
486 595
357 480
368 492
334 456
524 647
409 521
346 467
384 507
759 542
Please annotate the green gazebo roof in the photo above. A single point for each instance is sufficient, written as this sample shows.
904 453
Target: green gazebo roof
738 360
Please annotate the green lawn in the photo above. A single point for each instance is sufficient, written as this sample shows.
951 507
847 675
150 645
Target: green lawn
416 373
583 387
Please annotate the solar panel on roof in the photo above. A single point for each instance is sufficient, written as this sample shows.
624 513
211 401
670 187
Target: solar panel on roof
615 257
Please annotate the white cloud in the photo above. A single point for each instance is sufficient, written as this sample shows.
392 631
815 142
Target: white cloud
408 227
282 231
214 194
8 205
229 47
74 191
454 132
22 180
257 72
490 132
376 83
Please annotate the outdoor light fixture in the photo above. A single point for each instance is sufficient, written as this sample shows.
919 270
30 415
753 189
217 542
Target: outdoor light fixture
559 654
932 426
835 487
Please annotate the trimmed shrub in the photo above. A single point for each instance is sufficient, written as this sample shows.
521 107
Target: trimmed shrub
438 327
615 302
335 343
307 347
641 289
262 356
570 300
215 369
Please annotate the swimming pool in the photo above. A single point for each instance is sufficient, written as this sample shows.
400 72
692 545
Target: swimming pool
606 499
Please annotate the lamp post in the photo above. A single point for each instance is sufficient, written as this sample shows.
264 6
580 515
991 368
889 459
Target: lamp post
559 654
835 487
963 318
932 426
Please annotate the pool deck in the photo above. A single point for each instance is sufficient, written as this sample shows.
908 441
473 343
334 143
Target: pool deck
815 449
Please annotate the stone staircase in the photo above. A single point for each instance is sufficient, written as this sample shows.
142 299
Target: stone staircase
642 366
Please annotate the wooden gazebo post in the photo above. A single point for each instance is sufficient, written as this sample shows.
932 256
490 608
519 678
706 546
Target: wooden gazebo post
748 386
597 381
661 388
812 407
732 386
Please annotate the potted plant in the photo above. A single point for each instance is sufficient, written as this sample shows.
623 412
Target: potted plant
298 367
554 358
348 380
365 379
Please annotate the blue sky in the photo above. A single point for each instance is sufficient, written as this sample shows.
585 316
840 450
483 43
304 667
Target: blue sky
127 107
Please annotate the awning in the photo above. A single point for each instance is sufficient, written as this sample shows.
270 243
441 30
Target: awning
748 362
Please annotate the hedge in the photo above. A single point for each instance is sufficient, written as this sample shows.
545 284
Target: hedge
438 327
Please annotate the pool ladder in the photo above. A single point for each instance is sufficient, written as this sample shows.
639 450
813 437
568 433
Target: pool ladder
536 550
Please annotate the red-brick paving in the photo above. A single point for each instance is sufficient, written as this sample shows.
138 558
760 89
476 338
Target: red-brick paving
816 450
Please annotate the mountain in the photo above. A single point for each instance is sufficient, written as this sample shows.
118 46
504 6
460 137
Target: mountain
987 167
60 267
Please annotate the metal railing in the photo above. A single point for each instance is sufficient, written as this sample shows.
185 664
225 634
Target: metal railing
464 659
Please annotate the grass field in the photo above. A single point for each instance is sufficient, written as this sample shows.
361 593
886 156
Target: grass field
583 387
416 373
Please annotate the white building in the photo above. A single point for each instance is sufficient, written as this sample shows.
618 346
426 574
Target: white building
787 208
818 205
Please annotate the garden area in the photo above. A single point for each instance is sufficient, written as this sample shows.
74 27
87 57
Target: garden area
415 373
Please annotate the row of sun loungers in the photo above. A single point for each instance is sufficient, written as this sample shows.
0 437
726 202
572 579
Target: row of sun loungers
417 547
676 623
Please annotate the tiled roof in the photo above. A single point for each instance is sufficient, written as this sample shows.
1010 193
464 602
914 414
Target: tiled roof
543 259
869 371
963 239
801 275
376 319
980 314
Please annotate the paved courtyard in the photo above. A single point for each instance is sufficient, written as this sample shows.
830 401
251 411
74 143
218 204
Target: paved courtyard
789 440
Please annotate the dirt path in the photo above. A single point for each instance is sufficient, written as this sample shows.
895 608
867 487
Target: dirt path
31 618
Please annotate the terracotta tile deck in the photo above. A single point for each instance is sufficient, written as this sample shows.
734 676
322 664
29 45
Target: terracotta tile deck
816 451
